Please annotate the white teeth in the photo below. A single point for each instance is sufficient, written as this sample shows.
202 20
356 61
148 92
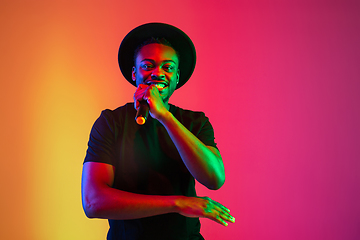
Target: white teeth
160 86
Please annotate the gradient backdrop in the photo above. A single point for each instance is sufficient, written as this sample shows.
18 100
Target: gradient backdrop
279 80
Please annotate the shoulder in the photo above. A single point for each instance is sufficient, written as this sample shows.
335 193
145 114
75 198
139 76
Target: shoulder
186 115
119 113
128 108
113 119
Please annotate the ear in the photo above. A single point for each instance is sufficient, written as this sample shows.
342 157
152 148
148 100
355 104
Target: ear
177 76
133 75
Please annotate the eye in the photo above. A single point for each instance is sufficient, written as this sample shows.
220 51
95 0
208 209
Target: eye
168 68
146 66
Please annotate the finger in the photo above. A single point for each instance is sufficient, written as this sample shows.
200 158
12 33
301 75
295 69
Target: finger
220 205
221 221
228 217
217 218
222 212
136 101
139 94
225 215
141 86
216 210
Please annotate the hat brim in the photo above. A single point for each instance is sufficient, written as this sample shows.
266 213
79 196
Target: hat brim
177 38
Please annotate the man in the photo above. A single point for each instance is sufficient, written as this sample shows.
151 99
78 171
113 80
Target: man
141 177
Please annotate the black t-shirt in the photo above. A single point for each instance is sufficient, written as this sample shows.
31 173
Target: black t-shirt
146 161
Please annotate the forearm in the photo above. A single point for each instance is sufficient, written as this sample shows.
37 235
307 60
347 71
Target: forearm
111 203
204 163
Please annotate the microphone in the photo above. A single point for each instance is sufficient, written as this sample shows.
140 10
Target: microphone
142 113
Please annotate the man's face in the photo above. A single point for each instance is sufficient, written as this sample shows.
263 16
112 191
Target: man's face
157 64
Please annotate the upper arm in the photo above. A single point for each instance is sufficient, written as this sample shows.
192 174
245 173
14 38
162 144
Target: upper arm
95 177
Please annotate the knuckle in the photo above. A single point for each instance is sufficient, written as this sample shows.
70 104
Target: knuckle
219 219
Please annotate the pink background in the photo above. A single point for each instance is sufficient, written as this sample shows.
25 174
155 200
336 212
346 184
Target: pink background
279 80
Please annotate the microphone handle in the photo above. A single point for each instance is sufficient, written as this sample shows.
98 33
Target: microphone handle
142 113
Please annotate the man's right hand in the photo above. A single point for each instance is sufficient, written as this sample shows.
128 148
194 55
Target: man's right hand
204 207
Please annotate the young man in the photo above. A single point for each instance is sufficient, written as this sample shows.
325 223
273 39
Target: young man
141 177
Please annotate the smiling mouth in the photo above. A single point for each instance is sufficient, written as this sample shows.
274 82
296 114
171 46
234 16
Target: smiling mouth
159 85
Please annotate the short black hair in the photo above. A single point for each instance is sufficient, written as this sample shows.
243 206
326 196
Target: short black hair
151 40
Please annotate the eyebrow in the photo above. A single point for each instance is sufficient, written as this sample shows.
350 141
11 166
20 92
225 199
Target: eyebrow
151 60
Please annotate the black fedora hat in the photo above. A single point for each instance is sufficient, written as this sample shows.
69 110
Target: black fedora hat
177 38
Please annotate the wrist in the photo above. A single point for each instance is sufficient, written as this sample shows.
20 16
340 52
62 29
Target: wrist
165 117
177 203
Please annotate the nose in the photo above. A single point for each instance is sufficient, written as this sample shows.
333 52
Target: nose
157 74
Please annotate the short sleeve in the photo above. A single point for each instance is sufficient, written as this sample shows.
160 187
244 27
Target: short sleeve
102 140
197 123
206 134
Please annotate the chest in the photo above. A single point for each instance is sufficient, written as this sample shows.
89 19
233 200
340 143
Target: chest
147 161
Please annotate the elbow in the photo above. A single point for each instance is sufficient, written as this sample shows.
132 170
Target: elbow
218 180
91 210
217 186
216 183
216 177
